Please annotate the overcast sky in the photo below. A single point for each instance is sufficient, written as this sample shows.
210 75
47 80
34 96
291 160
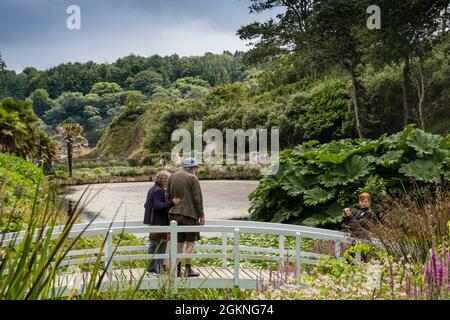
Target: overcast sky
34 32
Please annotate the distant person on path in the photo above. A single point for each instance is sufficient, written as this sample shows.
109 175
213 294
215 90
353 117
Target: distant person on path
157 214
177 159
185 185
162 161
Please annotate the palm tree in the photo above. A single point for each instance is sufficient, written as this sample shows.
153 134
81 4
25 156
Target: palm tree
71 134
18 132
46 148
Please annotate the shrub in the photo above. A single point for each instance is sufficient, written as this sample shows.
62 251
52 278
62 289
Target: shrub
126 172
99 171
132 162
22 175
148 171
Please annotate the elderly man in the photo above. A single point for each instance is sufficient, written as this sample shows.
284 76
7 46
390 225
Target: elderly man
185 185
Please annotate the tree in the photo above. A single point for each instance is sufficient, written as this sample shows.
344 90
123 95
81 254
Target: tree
290 32
41 102
407 30
13 85
102 88
71 134
2 64
19 133
342 24
46 150
145 81
325 31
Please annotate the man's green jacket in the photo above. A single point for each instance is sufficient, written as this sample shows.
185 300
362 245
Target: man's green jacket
186 186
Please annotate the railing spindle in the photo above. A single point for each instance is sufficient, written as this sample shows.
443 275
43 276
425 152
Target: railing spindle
298 261
109 249
173 247
281 250
224 249
237 236
337 249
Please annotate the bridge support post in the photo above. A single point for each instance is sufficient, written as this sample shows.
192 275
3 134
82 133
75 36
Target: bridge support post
237 236
224 249
298 261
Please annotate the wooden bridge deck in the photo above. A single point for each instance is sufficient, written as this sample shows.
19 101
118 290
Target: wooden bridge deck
216 277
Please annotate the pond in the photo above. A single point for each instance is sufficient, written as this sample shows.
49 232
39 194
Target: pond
222 199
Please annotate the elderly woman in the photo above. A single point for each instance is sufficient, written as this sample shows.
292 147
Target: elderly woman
156 214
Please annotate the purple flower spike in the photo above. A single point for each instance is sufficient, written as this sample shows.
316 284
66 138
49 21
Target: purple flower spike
440 275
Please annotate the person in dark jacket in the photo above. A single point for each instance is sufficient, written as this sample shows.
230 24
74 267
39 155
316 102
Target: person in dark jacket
363 213
358 222
156 214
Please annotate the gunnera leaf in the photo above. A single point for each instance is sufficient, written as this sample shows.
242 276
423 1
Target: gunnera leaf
389 158
317 196
298 184
423 170
351 170
423 143
284 215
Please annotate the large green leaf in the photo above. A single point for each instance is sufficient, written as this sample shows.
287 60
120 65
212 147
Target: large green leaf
284 215
389 158
423 143
351 170
423 170
446 175
399 139
332 215
298 184
317 196
304 148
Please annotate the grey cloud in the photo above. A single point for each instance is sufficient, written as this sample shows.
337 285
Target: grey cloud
33 33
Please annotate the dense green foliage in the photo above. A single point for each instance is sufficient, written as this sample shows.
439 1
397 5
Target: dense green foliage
92 94
21 176
131 73
315 182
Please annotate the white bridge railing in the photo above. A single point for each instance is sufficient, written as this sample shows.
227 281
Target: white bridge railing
227 229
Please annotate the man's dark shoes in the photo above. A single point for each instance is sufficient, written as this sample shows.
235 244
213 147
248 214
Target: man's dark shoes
190 273
179 269
153 272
